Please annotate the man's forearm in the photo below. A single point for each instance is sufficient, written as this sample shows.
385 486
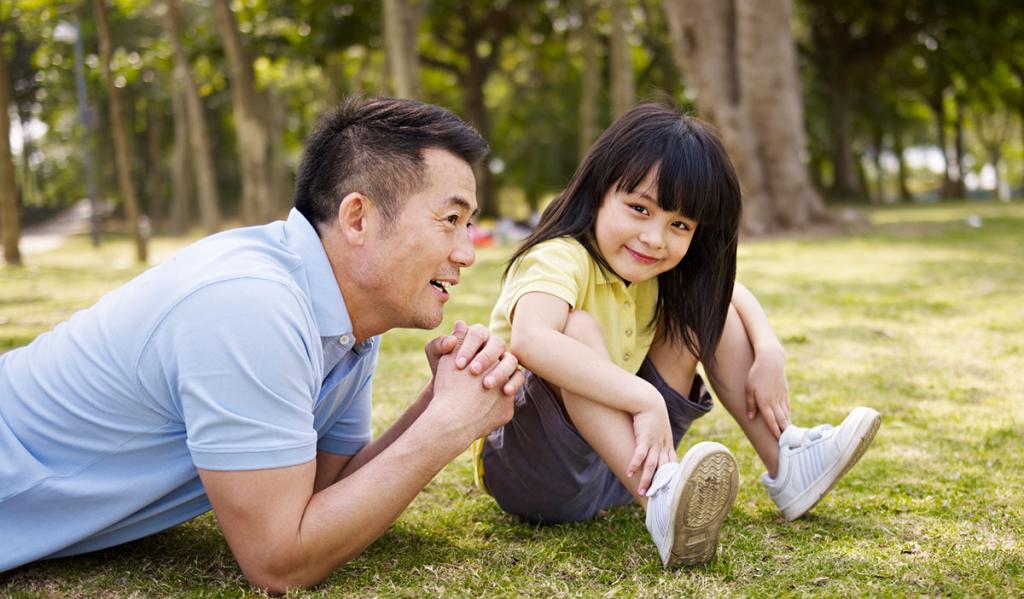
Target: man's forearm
373 448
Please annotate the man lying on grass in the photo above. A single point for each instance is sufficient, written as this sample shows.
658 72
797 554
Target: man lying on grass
237 375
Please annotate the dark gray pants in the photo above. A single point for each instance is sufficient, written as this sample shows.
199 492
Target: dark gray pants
540 468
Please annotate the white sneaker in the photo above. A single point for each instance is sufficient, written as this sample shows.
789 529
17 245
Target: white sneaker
688 501
811 461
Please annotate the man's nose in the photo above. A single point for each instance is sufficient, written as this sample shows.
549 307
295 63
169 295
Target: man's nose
463 253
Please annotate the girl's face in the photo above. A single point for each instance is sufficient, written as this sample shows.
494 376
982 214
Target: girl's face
638 238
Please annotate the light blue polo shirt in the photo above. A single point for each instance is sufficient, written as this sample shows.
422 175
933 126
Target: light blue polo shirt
214 359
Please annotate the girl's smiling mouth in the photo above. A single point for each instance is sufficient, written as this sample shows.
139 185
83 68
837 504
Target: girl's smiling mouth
642 258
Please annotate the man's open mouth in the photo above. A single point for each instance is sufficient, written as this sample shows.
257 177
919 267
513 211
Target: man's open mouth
440 285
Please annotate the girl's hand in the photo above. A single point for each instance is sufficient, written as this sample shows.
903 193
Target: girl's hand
768 391
654 445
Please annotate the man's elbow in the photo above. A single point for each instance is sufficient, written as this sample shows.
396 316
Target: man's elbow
278 575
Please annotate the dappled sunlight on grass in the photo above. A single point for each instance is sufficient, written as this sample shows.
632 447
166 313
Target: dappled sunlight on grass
920 317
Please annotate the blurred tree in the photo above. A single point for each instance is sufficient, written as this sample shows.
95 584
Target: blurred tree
590 76
10 224
401 30
195 124
623 86
121 152
468 39
250 116
847 44
740 57
181 173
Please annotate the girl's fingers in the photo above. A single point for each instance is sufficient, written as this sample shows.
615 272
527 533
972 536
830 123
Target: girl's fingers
751 404
637 461
650 465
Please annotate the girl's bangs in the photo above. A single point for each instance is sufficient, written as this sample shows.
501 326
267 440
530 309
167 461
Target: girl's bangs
687 181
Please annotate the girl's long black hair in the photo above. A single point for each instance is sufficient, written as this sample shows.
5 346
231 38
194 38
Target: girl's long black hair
695 178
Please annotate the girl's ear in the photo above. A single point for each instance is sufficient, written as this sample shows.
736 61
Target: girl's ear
354 218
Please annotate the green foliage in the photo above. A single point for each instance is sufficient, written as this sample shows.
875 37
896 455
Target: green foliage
919 317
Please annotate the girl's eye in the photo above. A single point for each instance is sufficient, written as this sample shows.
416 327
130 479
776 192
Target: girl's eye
638 208
681 225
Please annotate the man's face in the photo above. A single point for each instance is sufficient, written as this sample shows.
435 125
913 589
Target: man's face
411 267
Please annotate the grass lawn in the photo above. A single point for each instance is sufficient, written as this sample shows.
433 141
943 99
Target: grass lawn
920 317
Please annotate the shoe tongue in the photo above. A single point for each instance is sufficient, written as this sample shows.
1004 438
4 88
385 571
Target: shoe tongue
662 478
792 436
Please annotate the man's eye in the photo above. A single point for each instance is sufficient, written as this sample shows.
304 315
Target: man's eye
453 219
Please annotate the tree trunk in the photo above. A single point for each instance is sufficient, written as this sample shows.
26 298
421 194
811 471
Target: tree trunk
198 136
704 45
121 152
897 139
476 112
250 120
155 197
181 183
845 183
280 179
401 29
622 86
768 72
938 107
877 139
739 56
959 186
590 78
10 224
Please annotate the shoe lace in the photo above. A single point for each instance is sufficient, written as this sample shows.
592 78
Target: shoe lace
810 435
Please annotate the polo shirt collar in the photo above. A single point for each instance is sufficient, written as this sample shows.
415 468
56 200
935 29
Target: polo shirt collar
328 305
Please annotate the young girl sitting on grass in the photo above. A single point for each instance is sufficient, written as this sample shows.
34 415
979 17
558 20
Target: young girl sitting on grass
628 283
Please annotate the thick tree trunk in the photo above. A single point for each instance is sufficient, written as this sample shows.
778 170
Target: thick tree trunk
121 152
199 138
401 29
250 120
741 61
181 183
766 55
590 78
10 224
622 86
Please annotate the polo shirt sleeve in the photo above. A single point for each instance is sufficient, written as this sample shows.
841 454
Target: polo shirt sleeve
238 357
354 427
559 267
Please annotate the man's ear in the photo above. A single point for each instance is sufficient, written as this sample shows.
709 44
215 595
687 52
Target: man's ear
354 216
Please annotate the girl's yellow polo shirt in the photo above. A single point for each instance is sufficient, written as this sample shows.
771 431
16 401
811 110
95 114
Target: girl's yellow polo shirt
563 268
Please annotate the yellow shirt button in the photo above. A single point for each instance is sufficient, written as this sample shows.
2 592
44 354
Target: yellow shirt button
629 332
628 304
627 356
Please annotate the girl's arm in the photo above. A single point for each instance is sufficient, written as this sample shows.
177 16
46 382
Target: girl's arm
767 388
540 344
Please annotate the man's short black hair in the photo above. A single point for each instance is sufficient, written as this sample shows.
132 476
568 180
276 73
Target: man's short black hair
375 147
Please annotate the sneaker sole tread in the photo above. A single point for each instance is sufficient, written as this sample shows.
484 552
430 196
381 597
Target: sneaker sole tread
705 502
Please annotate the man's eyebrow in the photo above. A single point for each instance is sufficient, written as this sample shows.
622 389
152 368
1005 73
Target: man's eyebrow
464 204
